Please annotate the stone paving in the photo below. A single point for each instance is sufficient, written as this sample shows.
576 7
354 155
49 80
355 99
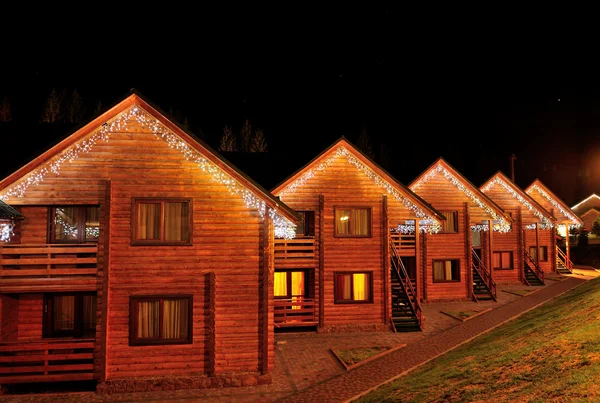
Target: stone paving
306 370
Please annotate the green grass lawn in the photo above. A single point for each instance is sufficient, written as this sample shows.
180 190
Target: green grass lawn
550 354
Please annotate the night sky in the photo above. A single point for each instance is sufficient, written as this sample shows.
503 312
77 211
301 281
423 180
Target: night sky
421 91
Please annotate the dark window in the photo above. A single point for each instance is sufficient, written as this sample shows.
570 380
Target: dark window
352 222
160 320
446 270
74 224
450 224
353 287
543 253
306 227
502 260
162 222
69 315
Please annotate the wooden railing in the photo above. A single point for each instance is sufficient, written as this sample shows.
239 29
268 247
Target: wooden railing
297 311
48 260
536 267
484 273
46 361
406 283
561 258
405 244
297 248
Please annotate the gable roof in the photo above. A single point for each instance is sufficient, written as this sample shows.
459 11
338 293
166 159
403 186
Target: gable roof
462 184
135 106
591 210
7 212
592 201
343 147
519 194
564 213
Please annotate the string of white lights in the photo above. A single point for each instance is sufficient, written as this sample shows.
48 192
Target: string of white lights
501 226
430 225
544 223
6 231
570 216
283 227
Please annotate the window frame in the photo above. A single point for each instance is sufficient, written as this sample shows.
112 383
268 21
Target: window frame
445 260
135 341
511 260
309 231
136 201
545 253
352 208
288 280
78 331
81 221
445 222
337 300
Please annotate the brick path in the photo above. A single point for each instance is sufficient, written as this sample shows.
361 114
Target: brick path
307 371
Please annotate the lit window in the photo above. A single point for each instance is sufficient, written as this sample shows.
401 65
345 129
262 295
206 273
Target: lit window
353 287
353 222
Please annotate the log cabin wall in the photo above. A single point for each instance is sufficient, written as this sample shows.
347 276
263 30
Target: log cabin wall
545 241
9 311
31 308
226 241
507 242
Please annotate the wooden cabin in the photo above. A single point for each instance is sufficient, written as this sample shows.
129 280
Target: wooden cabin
512 261
355 263
144 261
588 210
458 258
566 220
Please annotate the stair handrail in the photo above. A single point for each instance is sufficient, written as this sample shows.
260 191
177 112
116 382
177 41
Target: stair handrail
562 257
536 267
484 273
406 285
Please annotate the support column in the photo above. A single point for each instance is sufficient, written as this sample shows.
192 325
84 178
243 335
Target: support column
419 248
567 246
537 245
267 298
491 249
520 245
321 261
469 253
385 246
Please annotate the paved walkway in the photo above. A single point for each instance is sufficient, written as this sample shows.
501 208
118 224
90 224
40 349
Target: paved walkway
307 370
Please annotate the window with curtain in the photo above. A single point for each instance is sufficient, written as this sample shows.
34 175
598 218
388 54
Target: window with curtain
306 227
74 224
450 224
69 315
292 285
543 253
446 270
352 222
353 287
502 260
167 221
160 320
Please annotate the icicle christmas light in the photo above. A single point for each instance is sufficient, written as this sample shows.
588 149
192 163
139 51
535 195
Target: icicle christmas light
408 228
555 204
283 227
544 223
502 225
6 231
430 224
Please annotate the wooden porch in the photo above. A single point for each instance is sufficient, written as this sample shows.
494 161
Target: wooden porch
295 312
48 267
297 252
46 361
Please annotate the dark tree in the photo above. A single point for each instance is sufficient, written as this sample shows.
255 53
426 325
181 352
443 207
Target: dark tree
75 110
596 227
52 112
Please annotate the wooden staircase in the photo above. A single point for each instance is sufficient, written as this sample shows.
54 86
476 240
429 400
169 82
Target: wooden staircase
534 276
484 287
406 309
563 265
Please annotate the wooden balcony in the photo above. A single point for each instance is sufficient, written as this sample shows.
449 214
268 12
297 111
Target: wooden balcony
48 267
405 244
297 251
46 361
295 312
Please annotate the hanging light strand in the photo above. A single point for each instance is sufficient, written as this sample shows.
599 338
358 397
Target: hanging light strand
570 216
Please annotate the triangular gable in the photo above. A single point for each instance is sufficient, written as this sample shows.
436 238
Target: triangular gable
441 167
565 212
591 201
136 107
499 179
590 211
342 148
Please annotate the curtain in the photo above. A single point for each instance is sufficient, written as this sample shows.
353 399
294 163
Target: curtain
543 254
361 290
533 253
64 312
345 286
448 269
280 287
65 223
148 319
148 223
89 312
176 221
175 319
360 218
438 270
342 222
496 260
450 222
297 287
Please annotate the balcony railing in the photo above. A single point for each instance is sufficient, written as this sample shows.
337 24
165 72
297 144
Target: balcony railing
46 361
297 311
23 265
297 248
